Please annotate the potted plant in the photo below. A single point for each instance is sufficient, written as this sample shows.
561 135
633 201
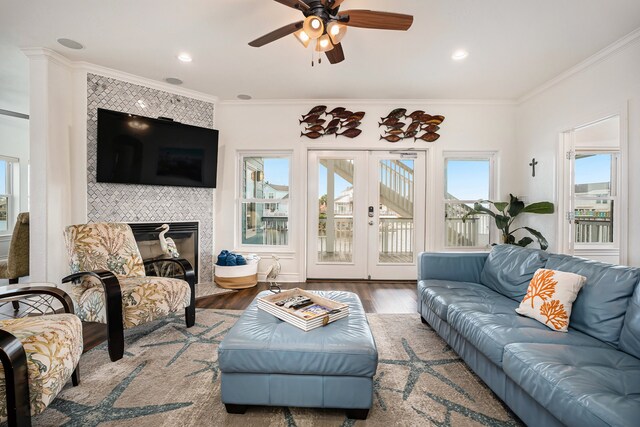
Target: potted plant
506 215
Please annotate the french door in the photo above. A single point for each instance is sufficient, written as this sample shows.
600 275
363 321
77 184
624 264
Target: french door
366 214
591 189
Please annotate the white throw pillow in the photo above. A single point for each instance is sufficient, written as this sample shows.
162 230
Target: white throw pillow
550 297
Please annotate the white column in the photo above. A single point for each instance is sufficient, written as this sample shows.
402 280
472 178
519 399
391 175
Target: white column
51 190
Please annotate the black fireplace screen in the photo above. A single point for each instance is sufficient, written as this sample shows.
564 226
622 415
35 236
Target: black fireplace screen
185 236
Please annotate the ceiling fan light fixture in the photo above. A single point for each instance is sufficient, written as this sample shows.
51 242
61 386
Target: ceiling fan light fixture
313 27
302 37
336 31
324 44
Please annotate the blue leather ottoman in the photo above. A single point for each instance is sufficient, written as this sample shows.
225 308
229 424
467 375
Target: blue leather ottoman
265 361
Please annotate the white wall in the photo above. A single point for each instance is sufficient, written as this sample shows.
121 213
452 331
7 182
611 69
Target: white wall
607 86
469 126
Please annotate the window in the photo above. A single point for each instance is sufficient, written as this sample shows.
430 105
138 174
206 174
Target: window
264 200
467 180
8 169
595 190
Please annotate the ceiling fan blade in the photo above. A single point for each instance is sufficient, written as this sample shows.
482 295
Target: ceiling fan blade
276 34
336 54
377 20
296 4
336 3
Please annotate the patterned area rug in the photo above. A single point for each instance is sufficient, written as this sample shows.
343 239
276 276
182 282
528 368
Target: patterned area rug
170 376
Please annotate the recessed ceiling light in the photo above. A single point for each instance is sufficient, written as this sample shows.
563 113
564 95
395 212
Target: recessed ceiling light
173 80
185 57
244 97
459 55
71 44
141 103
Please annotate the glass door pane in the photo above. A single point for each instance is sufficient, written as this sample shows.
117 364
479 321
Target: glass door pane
395 211
594 197
335 210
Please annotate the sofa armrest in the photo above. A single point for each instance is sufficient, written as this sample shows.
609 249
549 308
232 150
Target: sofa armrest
459 267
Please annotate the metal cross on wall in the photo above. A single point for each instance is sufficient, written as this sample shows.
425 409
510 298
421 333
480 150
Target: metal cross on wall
533 166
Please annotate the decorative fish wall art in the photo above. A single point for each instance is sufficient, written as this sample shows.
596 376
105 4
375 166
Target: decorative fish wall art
319 122
417 125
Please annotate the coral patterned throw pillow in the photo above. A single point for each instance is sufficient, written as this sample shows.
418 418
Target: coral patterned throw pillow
550 297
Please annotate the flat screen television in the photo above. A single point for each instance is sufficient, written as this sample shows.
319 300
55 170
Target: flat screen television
141 150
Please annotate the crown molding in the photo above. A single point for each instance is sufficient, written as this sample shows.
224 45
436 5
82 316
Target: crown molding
34 53
594 59
384 102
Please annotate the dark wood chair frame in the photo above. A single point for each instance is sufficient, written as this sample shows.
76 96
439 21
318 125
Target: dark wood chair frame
14 359
113 301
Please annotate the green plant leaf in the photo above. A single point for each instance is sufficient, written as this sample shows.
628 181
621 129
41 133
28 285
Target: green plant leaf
482 210
525 241
501 206
541 239
539 208
515 206
502 221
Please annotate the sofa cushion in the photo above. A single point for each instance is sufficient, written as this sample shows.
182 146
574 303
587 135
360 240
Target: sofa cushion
630 335
144 299
492 324
580 386
509 269
460 267
602 303
439 294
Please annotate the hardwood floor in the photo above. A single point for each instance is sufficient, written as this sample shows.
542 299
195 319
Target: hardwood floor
376 297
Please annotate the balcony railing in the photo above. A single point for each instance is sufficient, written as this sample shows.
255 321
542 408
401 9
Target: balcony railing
395 236
474 232
593 230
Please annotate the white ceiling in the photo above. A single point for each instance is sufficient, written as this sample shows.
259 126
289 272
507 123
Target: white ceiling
514 46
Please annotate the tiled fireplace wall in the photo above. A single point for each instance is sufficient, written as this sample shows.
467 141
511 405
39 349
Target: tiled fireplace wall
146 203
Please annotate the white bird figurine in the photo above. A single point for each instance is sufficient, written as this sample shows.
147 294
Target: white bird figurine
272 275
167 244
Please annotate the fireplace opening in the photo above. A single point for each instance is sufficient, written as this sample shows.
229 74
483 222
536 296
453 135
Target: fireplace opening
185 236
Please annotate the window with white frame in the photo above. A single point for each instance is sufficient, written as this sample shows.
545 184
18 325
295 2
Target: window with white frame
468 179
8 200
595 193
264 199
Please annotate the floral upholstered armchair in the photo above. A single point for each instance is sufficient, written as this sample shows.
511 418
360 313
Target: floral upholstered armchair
110 285
39 354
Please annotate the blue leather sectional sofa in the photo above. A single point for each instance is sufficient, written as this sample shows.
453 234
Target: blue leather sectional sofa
589 376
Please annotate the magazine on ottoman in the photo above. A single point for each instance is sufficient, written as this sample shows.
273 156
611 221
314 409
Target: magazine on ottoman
303 309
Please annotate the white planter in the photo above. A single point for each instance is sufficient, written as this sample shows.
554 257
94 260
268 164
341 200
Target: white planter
237 276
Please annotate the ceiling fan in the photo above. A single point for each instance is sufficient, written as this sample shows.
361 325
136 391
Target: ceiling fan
327 25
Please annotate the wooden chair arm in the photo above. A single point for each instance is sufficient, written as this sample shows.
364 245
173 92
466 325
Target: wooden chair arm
57 293
14 362
187 269
113 305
